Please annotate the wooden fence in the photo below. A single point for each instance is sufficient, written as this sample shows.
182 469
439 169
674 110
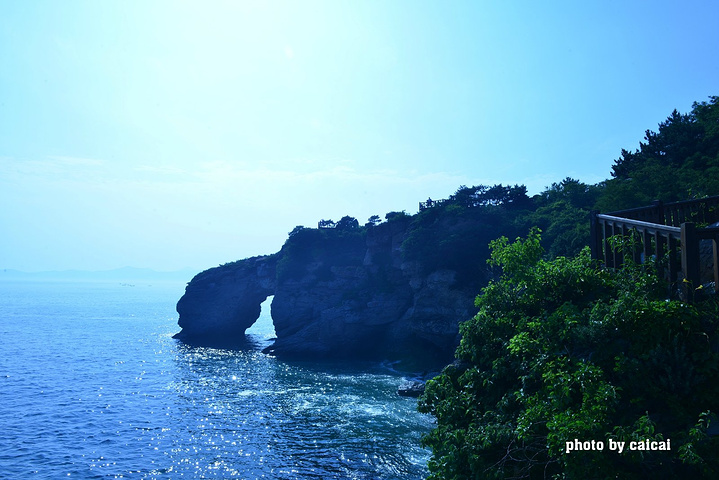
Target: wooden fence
662 231
702 211
432 203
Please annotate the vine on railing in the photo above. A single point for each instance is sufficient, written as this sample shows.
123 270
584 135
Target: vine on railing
667 233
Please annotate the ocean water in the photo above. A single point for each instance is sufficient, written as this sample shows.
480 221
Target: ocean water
93 386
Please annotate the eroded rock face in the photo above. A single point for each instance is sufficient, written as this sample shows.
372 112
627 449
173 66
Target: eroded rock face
335 295
222 302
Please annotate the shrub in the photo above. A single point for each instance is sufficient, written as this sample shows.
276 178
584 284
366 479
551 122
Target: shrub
561 350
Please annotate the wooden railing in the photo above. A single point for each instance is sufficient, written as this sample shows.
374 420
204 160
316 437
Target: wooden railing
666 232
431 203
703 211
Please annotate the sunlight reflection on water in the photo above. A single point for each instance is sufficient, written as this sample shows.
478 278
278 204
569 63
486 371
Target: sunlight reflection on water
93 386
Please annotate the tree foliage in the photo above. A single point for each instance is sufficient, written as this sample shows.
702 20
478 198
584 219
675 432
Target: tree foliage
296 230
562 212
561 350
347 223
373 221
395 216
482 195
679 161
455 235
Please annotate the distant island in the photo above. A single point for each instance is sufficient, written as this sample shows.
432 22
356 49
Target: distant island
125 274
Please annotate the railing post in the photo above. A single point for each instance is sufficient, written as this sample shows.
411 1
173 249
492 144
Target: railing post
672 262
712 210
646 246
621 257
637 250
659 248
593 234
690 258
616 255
608 251
715 251
660 212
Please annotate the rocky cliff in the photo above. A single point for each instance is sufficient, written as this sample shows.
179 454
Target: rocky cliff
337 293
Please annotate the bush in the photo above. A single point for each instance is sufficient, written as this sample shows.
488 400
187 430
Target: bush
561 350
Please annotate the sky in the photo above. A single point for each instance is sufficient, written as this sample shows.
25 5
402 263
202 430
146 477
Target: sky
176 134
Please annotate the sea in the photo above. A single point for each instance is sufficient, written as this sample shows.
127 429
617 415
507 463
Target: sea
93 386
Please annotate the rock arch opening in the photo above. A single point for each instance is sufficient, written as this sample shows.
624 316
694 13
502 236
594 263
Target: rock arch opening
263 327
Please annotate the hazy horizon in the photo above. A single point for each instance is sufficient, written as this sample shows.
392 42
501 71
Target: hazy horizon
118 269
169 135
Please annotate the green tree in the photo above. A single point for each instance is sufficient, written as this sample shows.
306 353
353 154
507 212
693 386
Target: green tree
373 221
347 223
393 216
678 161
296 230
562 212
482 195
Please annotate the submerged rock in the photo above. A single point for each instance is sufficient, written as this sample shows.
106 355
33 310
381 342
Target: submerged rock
413 388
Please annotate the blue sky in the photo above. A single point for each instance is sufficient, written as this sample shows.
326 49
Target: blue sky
169 134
